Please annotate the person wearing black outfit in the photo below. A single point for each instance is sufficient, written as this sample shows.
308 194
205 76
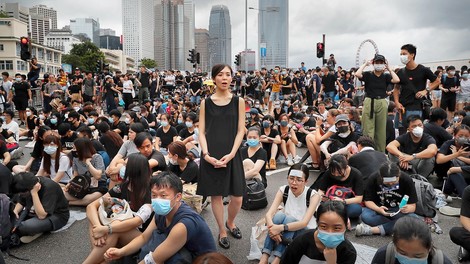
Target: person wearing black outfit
34 71
367 158
461 235
144 78
116 125
181 163
328 82
435 126
21 95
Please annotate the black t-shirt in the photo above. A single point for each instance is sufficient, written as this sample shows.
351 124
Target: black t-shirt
439 134
121 126
304 244
75 128
409 147
151 118
190 174
412 81
277 115
352 137
111 148
21 90
195 86
376 86
260 154
449 82
354 181
179 79
329 82
158 156
109 92
67 141
6 178
390 197
465 209
97 145
166 138
144 78
445 148
272 134
74 89
184 133
37 150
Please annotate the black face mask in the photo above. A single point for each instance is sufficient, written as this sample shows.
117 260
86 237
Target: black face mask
343 129
74 154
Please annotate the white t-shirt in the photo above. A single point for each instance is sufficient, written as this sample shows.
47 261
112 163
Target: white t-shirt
465 87
170 80
297 207
64 165
13 127
127 86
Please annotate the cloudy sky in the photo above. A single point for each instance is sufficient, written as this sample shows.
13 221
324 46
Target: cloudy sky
439 30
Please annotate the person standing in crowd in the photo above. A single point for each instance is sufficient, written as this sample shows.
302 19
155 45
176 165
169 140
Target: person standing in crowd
450 87
21 96
144 78
374 113
463 98
221 168
5 89
275 88
89 88
128 91
328 82
34 71
411 91
52 90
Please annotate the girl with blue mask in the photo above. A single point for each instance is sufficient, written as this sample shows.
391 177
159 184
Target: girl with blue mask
327 242
412 244
270 140
254 157
288 140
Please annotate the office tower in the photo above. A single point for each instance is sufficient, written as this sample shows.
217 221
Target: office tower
273 32
46 12
39 27
138 23
201 36
220 34
17 11
110 42
89 27
174 31
107 32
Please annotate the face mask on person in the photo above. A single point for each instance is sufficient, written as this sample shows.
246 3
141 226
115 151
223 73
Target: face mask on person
76 108
284 123
252 142
308 76
18 79
406 260
111 120
196 131
379 67
173 161
266 124
66 116
91 121
28 113
53 121
276 71
461 141
189 124
404 59
452 72
277 106
127 120
330 240
343 129
161 206
180 121
122 172
164 123
418 132
257 105
465 76
42 117
50 149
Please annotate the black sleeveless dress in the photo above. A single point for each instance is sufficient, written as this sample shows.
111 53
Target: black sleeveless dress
221 130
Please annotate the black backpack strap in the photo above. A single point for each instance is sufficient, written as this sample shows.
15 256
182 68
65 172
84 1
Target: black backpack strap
390 254
285 195
307 199
438 257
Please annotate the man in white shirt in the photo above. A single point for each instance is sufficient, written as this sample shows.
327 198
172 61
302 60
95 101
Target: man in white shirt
6 84
9 126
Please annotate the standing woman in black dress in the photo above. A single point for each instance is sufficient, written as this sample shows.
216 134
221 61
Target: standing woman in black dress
221 130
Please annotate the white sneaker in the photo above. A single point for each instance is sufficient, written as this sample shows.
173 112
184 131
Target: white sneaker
17 153
297 159
29 239
290 162
299 145
363 230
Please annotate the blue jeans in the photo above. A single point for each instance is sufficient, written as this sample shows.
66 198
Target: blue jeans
182 256
455 182
354 210
384 223
270 247
330 95
196 99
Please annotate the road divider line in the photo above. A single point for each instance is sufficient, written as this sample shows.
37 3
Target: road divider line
269 173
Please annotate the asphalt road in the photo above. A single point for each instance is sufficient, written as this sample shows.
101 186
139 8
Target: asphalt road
72 245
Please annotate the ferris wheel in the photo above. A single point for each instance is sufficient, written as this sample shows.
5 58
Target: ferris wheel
366 54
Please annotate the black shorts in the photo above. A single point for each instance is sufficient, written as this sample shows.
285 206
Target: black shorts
448 102
21 103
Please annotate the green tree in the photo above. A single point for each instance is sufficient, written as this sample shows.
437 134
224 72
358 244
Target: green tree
3 14
149 63
84 55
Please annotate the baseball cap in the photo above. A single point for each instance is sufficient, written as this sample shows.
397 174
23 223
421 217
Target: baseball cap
254 111
77 69
379 57
341 117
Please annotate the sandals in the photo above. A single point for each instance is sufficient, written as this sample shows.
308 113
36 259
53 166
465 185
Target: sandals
224 243
235 232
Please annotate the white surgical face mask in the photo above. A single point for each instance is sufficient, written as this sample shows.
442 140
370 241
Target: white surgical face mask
452 72
418 131
404 59
379 67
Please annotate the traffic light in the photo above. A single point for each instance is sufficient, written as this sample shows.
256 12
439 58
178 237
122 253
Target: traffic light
192 56
320 50
198 58
98 65
237 59
25 52
106 65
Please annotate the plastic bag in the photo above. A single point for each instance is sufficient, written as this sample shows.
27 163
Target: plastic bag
112 209
258 235
191 198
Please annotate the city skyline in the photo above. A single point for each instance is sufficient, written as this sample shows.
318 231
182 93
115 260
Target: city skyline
390 24
220 35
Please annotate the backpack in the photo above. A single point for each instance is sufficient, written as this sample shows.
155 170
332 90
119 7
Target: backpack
106 158
255 196
427 199
285 195
79 185
5 221
340 192
438 257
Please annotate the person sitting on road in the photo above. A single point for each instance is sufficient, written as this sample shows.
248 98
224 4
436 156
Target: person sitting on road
55 164
414 150
327 241
111 140
289 140
42 208
181 163
34 162
177 234
297 215
90 164
165 134
342 142
340 174
461 235
412 243
367 158
383 195
31 123
254 157
270 140
135 190
434 127
143 142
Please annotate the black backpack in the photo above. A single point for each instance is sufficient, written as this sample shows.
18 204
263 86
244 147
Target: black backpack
8 224
285 195
254 197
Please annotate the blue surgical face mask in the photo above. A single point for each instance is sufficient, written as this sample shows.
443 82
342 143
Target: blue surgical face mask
50 149
189 124
180 121
164 123
266 124
54 121
406 260
252 142
122 172
330 240
91 121
284 123
161 206
111 120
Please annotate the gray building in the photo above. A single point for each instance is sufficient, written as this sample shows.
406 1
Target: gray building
273 32
201 36
107 31
110 42
220 35
46 12
15 10
39 28
87 26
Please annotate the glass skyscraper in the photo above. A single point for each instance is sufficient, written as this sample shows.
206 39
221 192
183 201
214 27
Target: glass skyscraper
273 33
220 36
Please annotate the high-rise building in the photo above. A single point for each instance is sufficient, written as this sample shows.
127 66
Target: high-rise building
46 12
17 11
138 24
273 32
220 35
201 36
110 42
174 26
107 32
61 39
87 26
39 27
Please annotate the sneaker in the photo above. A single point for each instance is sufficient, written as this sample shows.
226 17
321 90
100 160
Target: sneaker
30 144
297 159
363 230
449 211
281 159
17 153
272 164
463 255
29 239
299 145
290 162
23 138
448 199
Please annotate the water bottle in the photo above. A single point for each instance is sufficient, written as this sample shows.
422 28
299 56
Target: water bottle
404 201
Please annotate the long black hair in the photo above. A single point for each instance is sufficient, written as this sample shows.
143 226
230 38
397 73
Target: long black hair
138 178
410 228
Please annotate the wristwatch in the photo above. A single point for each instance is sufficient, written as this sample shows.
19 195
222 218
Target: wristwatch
414 155
286 228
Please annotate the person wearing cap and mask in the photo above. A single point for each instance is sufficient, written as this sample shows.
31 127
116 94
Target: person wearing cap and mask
374 112
343 141
383 194
414 150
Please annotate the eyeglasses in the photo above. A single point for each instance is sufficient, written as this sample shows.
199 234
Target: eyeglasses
295 179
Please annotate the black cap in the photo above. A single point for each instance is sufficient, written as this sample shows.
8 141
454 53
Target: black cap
379 57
